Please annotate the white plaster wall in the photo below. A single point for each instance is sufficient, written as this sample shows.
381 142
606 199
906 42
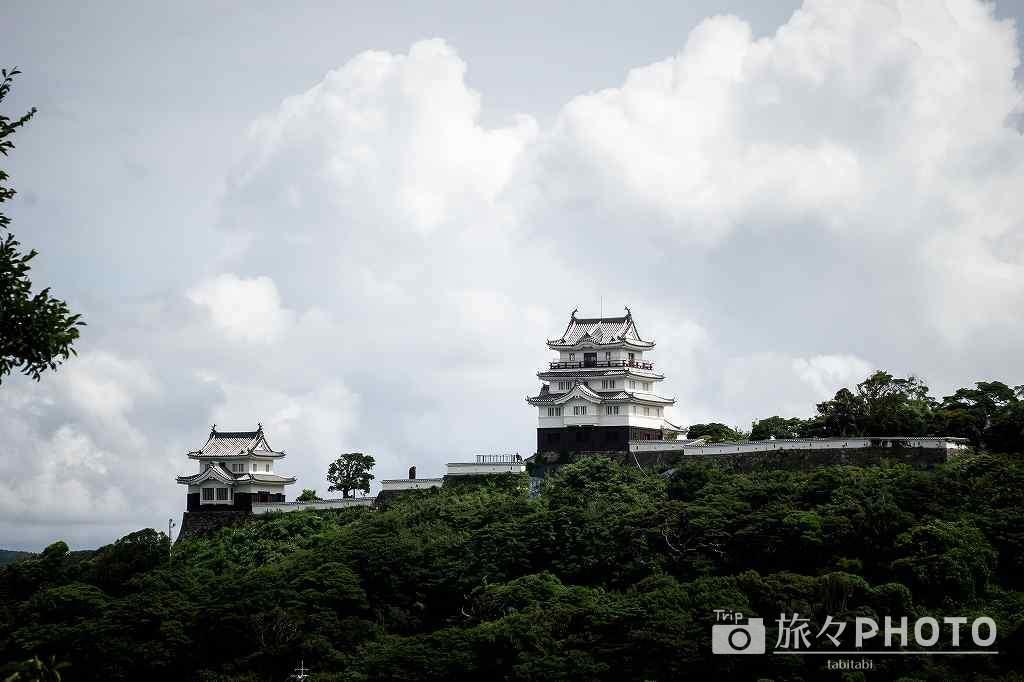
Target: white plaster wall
789 444
470 468
267 507
616 354
410 483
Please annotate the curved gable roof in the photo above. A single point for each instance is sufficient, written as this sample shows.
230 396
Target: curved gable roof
578 391
600 331
215 471
235 443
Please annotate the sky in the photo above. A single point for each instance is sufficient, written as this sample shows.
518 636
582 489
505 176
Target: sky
358 224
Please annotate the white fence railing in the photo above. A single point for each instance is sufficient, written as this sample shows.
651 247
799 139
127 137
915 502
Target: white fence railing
474 469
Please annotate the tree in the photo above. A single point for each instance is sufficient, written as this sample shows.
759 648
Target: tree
36 332
308 495
843 415
894 406
991 414
350 473
779 427
714 432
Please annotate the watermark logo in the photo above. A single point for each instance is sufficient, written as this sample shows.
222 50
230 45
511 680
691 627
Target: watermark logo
734 637
797 635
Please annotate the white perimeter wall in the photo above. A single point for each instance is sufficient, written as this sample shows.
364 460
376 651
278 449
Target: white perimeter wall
791 444
268 507
469 468
410 483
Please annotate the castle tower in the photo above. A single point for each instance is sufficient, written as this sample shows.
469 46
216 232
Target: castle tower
236 469
600 393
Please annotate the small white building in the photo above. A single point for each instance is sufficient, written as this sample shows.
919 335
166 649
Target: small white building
601 392
485 465
235 470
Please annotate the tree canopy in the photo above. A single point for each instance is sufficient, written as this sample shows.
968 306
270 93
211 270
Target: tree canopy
990 414
350 473
714 432
36 330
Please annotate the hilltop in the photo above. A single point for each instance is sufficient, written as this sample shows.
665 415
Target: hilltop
612 573
8 556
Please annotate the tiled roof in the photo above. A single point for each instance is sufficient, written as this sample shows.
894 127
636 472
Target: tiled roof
215 471
600 330
235 443
548 398
224 476
264 478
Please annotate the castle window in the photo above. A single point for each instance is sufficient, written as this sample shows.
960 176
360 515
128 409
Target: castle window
222 493
238 467
611 409
579 410
647 412
207 494
266 467
632 385
554 411
572 357
607 356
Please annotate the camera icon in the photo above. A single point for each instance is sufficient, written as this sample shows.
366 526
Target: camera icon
730 638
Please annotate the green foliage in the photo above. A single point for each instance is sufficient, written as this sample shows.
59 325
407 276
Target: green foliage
34 670
36 331
715 432
777 427
131 555
308 495
611 573
991 414
350 473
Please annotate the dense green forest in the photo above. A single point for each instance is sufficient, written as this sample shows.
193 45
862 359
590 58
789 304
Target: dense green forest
611 573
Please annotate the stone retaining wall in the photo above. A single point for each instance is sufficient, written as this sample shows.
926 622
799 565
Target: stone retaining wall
195 524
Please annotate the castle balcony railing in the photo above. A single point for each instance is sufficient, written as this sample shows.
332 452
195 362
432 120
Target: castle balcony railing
501 458
603 364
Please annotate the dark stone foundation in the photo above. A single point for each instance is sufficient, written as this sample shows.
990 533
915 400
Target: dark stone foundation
801 460
578 439
196 524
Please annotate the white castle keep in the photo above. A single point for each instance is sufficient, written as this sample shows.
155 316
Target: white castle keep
601 392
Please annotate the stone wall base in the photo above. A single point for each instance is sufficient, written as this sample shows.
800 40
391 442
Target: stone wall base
196 524
800 459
